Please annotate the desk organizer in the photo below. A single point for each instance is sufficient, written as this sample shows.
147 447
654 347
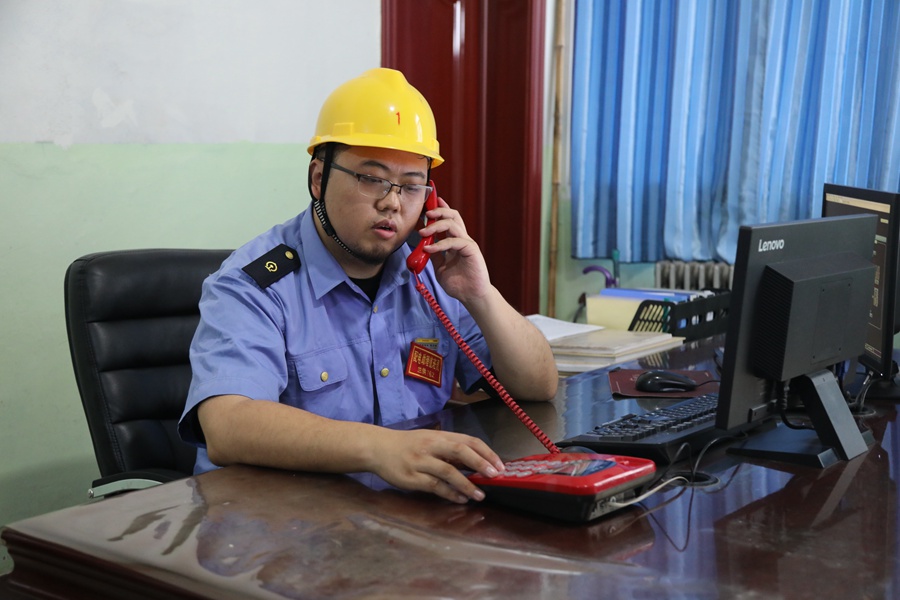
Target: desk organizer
693 320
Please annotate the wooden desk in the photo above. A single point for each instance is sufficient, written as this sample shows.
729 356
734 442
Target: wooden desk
242 532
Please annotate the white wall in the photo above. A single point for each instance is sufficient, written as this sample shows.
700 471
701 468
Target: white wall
139 123
176 71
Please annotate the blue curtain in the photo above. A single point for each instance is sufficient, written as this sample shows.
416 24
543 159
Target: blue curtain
691 118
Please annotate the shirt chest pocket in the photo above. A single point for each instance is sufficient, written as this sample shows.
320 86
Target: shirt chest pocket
428 334
322 371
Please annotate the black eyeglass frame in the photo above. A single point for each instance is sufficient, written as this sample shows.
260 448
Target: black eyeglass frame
387 189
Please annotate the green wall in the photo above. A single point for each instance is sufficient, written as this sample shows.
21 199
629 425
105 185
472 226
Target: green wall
57 204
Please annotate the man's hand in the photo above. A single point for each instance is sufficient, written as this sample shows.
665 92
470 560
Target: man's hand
427 460
520 354
458 261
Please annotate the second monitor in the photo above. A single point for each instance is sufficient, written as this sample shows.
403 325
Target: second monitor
884 309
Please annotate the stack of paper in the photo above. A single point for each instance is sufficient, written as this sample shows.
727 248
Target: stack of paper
596 349
554 329
578 348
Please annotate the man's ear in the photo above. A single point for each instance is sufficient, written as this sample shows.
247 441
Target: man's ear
315 178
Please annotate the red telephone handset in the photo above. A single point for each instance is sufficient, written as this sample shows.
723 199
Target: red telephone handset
415 262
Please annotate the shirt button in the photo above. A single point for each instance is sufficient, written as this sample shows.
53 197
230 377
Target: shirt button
375 309
324 376
385 372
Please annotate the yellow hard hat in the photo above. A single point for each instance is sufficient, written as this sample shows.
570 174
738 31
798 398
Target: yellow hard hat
379 109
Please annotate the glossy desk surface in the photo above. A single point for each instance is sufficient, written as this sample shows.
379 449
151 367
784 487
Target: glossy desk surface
241 532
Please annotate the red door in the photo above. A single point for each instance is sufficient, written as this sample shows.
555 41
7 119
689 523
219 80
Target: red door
480 65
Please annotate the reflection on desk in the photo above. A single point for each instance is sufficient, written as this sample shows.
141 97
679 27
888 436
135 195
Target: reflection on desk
759 530
242 532
793 542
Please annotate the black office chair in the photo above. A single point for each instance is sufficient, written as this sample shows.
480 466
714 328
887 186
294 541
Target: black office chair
130 317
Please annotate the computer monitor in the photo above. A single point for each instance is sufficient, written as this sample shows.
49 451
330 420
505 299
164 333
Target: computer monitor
800 299
883 322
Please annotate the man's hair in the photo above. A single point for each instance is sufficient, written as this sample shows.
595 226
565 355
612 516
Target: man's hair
338 148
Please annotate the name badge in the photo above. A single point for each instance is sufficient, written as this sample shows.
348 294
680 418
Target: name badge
424 364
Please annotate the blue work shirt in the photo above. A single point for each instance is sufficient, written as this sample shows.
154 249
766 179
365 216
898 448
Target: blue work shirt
314 340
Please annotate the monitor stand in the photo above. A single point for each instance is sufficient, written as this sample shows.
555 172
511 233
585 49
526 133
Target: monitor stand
836 435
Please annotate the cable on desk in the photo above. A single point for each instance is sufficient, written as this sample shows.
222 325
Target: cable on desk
705 448
690 512
649 492
656 489
695 467
684 446
781 405
688 480
860 399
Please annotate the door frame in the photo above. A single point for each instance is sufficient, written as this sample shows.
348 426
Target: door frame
480 63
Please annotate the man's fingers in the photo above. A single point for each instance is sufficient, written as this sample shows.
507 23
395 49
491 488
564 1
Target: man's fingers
472 454
445 222
452 485
449 492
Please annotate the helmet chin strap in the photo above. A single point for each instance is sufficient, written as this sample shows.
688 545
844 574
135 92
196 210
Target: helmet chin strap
319 204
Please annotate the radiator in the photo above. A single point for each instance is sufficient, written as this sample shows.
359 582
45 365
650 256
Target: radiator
695 275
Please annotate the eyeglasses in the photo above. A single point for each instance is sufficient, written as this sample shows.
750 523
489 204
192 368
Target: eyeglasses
378 188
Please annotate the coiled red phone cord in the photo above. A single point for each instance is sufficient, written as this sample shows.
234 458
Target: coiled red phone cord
448 325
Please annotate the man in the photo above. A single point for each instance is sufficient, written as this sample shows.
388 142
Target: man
302 352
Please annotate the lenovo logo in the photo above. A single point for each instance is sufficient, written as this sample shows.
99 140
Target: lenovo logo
769 245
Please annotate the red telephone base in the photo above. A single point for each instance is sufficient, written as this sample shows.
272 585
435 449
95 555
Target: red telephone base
568 486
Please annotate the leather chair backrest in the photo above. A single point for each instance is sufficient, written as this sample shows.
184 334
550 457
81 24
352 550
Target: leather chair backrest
130 317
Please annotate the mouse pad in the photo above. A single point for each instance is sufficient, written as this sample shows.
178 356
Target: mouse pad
621 383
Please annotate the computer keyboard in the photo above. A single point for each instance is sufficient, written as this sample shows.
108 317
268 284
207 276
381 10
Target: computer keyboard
658 434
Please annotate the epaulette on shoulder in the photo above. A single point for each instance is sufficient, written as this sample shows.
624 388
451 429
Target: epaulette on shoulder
273 265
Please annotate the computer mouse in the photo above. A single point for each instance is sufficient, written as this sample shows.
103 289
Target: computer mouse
664 381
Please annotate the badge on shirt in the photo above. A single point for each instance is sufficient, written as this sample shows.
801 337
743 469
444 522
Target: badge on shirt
430 343
424 364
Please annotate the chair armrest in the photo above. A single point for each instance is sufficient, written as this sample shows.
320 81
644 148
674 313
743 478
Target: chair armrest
132 480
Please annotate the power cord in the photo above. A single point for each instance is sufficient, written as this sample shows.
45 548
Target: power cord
857 403
688 479
783 389
654 490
